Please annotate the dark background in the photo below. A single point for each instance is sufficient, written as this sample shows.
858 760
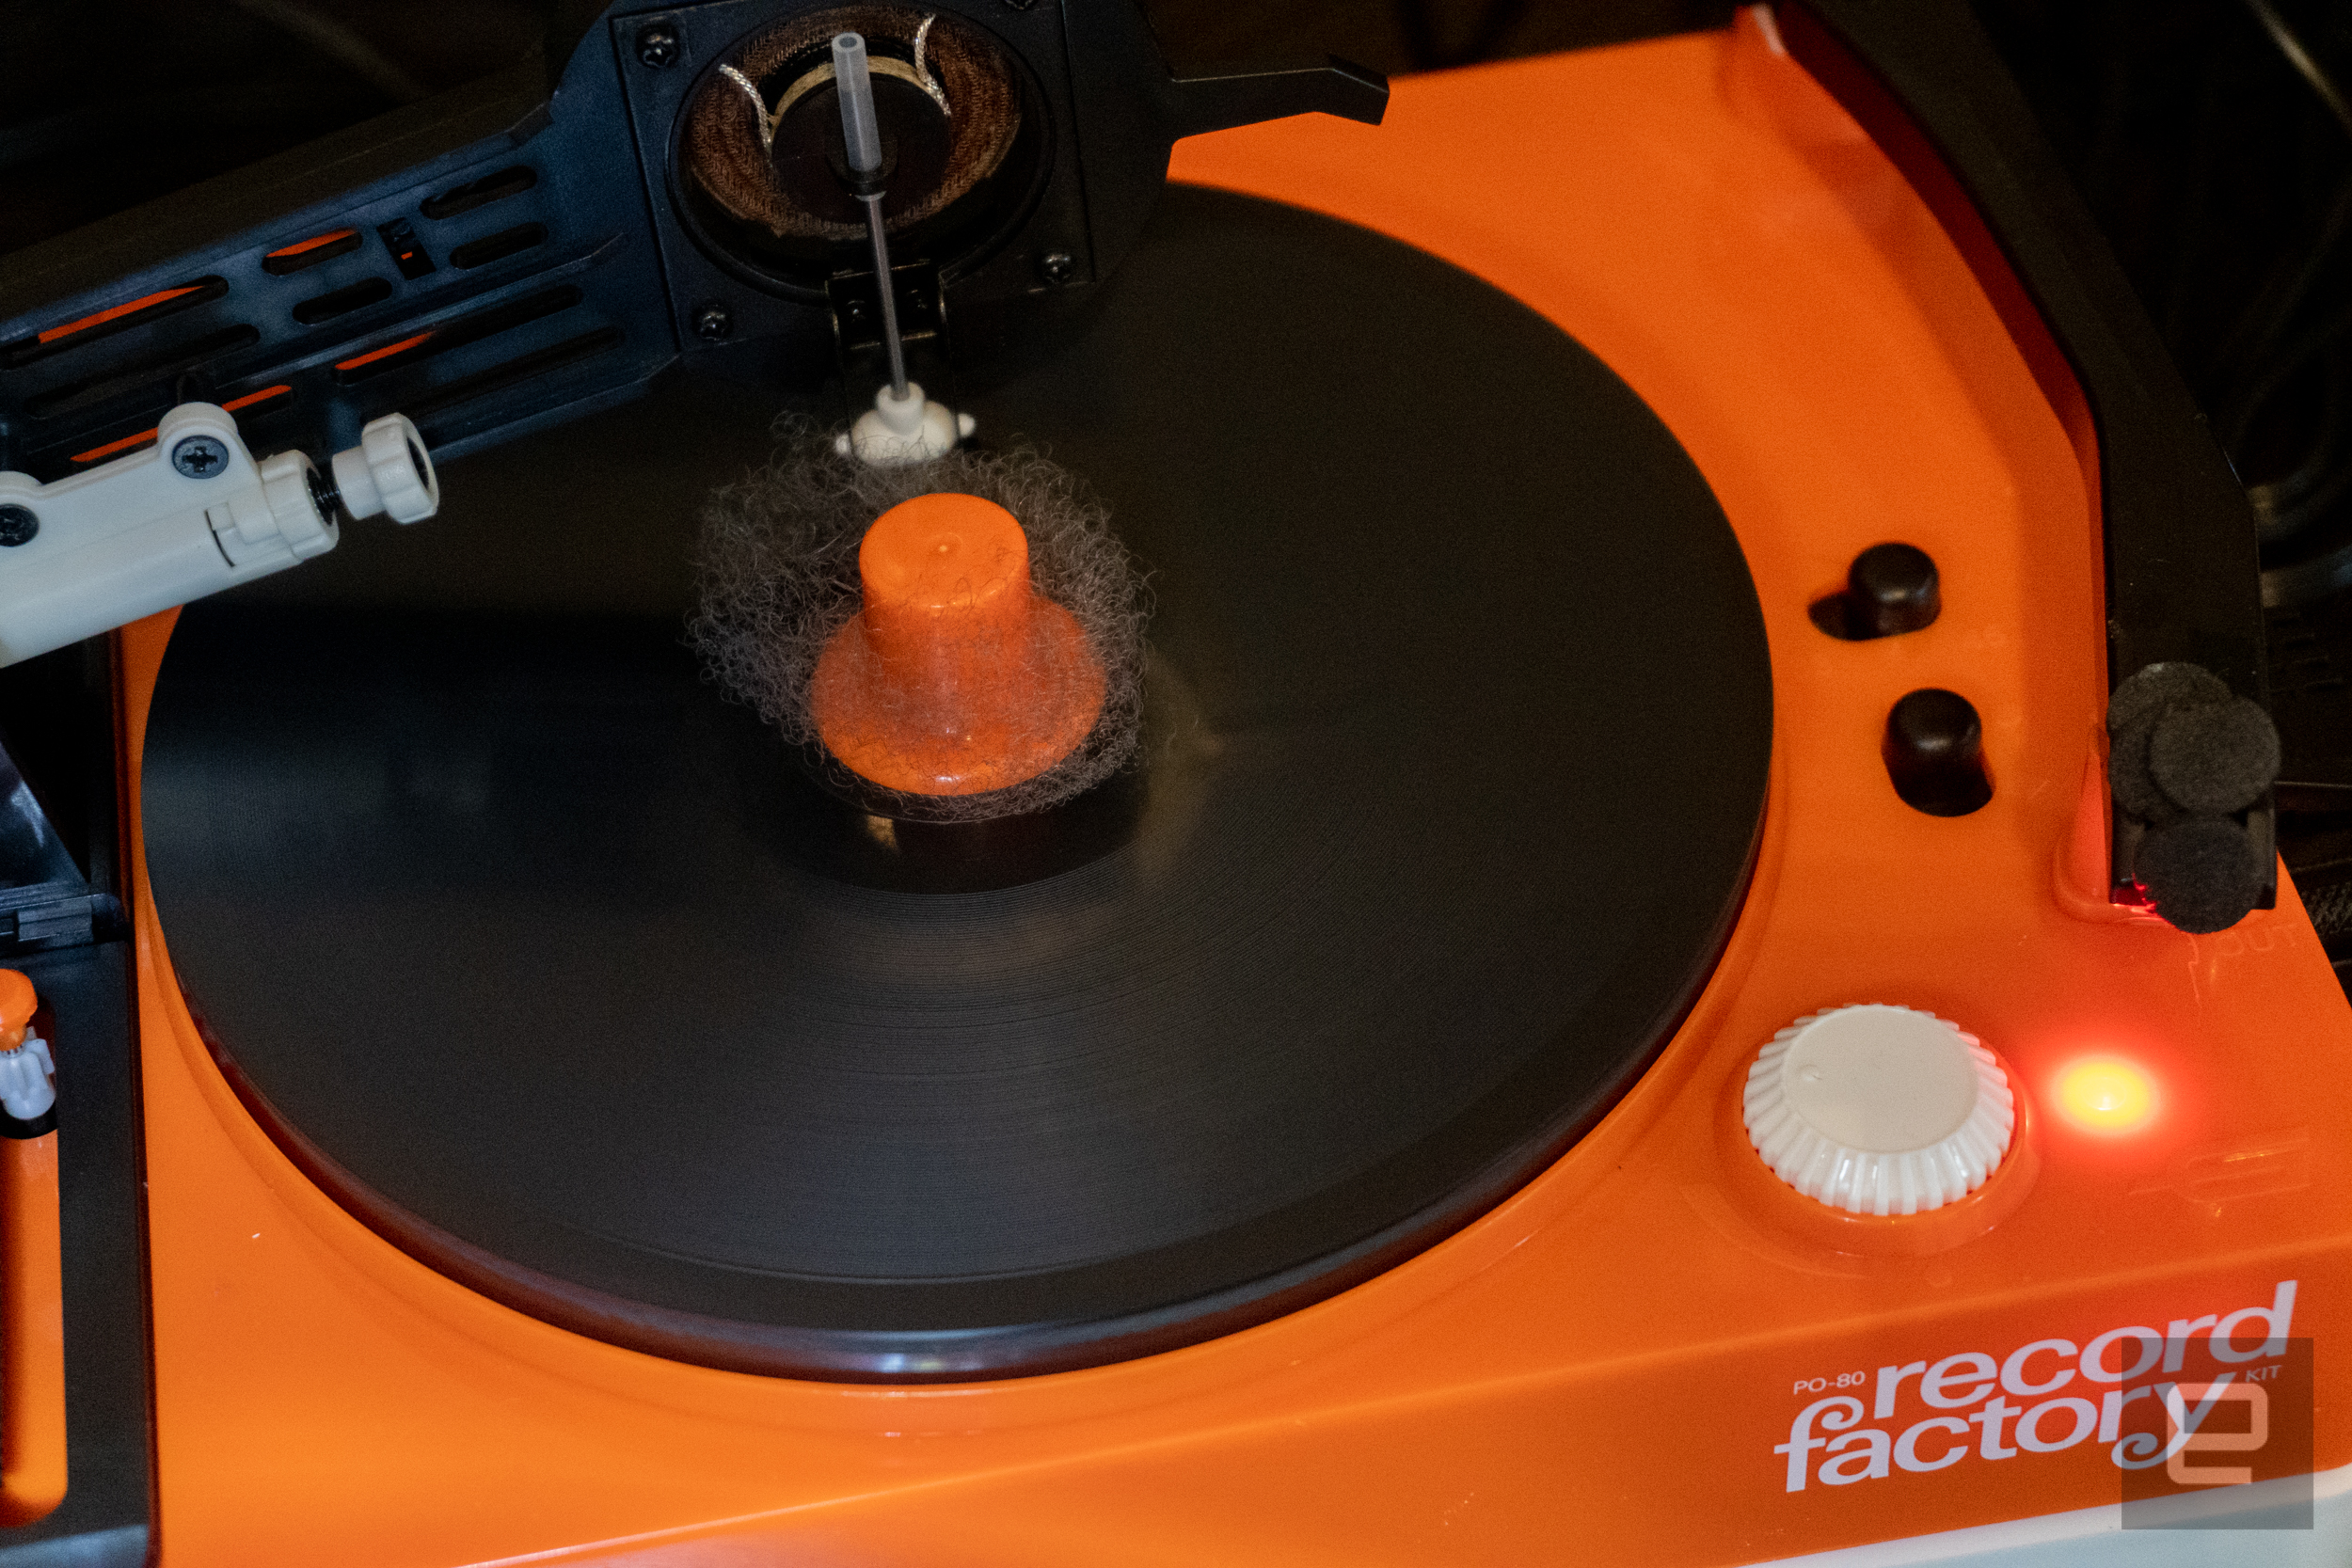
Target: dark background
2212 138
103 106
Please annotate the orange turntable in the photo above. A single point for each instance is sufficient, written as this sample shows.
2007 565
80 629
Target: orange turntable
1683 962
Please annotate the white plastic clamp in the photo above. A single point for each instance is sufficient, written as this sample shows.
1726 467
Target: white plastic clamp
189 516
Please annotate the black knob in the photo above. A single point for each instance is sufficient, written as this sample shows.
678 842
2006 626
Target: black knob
1891 589
1934 753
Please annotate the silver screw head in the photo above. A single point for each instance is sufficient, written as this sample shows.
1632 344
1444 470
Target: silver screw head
657 46
201 456
17 525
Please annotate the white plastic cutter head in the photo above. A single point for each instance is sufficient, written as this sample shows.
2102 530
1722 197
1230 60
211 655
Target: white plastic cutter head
1879 1110
899 431
388 472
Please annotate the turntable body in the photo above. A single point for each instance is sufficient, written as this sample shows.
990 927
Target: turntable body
1600 1367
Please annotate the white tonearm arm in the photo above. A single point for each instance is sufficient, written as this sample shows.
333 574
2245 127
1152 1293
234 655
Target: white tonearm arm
190 515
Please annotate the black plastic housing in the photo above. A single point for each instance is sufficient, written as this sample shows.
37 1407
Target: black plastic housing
519 258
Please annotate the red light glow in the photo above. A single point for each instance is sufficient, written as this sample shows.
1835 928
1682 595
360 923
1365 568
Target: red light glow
2105 1094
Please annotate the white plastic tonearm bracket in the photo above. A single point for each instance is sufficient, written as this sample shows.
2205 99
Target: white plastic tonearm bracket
898 431
190 515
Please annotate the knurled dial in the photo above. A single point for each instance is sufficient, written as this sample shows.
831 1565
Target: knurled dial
1879 1110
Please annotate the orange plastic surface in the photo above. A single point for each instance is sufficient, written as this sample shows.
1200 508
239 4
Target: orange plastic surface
955 677
32 1331
17 1002
1598 1370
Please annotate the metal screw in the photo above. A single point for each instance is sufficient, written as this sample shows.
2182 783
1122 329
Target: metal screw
199 456
1057 266
325 497
712 324
656 45
17 525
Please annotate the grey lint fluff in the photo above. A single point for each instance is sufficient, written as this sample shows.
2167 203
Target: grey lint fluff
778 576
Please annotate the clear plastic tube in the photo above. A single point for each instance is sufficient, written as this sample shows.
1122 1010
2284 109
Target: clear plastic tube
854 79
861 139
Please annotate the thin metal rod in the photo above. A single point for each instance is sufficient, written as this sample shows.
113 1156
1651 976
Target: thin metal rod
860 142
889 298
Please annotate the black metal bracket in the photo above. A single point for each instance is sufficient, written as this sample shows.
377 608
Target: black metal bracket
1194 106
855 303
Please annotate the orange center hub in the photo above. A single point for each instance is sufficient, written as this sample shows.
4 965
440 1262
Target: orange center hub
955 677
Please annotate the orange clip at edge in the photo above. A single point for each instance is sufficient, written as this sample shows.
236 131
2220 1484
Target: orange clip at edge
32 1314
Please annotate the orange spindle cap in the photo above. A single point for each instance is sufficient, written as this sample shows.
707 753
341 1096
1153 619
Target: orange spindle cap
956 678
17 1002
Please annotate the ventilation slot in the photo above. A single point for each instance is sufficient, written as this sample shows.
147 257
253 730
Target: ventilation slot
105 324
481 193
342 301
457 334
165 366
497 247
281 396
497 378
311 252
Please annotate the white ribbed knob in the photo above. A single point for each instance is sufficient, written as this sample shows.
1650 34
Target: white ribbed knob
389 472
1879 1110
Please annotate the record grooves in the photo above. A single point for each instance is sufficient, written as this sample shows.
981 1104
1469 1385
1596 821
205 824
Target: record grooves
549 965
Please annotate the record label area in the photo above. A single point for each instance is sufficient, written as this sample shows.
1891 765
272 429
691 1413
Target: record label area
547 962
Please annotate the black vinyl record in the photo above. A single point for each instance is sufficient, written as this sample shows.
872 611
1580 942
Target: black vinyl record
544 960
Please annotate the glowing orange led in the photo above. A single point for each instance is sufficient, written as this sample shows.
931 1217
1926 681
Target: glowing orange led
53 333
386 352
300 246
2106 1094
